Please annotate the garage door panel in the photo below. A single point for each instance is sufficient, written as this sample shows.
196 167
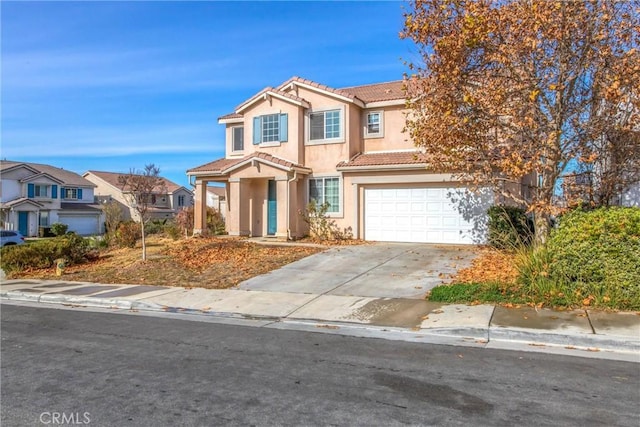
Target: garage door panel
83 225
436 215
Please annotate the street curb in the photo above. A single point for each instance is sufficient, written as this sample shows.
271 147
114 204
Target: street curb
469 336
594 341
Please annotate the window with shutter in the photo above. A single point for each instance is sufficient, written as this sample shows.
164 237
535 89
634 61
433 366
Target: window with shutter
270 128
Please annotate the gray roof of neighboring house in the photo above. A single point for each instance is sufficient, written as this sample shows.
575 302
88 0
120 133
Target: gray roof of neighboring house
112 178
66 176
80 207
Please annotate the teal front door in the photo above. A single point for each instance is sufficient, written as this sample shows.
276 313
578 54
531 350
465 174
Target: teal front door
272 209
23 223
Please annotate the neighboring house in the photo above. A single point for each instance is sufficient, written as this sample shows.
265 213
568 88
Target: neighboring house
165 204
35 195
577 187
302 140
216 199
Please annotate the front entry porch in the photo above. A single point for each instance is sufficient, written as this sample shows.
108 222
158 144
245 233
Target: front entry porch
263 196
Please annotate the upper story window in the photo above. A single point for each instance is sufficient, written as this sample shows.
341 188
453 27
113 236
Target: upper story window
42 191
270 129
326 126
325 190
237 139
71 193
373 124
180 201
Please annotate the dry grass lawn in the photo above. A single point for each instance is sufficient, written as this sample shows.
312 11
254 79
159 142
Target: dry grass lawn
214 263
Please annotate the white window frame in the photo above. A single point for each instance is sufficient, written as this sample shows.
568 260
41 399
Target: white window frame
336 140
339 213
37 191
72 190
380 132
181 200
263 129
43 215
233 139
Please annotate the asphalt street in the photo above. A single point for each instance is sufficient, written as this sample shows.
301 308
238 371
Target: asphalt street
108 369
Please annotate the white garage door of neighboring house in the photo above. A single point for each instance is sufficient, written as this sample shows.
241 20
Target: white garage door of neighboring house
426 215
83 225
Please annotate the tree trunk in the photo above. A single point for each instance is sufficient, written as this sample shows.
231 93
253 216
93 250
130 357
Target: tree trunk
144 243
541 224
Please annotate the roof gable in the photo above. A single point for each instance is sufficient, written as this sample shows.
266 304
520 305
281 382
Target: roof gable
267 92
40 177
64 176
224 166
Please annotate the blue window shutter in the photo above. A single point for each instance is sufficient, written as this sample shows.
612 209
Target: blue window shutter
79 193
62 192
284 128
54 191
257 130
31 191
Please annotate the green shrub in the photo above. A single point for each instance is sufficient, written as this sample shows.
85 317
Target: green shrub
172 230
155 226
41 254
509 227
127 234
59 229
592 258
215 222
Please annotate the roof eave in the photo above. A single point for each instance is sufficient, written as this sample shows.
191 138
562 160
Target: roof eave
388 103
353 100
406 166
231 120
265 95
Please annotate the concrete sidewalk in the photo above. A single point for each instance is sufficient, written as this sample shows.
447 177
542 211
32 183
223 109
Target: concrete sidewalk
399 318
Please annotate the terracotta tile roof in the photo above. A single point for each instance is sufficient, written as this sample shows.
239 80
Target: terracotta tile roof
216 166
378 91
273 90
220 166
384 159
386 91
230 116
317 85
112 178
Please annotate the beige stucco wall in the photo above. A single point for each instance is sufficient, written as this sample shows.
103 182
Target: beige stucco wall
393 138
104 189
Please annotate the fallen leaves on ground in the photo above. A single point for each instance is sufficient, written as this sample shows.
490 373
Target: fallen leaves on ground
491 265
214 263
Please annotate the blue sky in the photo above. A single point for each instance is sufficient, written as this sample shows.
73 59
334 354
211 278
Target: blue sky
117 85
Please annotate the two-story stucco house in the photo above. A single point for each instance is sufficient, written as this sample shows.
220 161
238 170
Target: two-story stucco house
35 195
302 140
165 204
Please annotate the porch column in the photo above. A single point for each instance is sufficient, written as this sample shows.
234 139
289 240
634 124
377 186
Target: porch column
283 208
239 207
200 209
294 207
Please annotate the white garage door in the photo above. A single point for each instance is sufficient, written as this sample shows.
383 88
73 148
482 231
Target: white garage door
83 225
429 215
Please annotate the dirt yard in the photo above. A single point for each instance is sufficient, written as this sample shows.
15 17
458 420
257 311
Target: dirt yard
214 263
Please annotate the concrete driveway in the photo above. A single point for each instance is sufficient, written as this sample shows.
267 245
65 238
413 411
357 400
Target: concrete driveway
384 270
